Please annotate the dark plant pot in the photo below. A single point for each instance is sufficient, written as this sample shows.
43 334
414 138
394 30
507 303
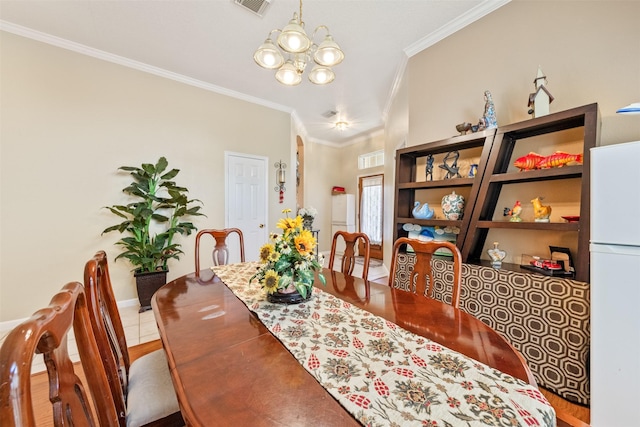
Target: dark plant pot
288 298
147 284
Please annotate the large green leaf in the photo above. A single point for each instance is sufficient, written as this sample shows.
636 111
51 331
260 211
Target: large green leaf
161 166
169 175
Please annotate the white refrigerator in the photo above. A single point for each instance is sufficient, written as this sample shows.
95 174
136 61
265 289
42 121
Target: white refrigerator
343 216
615 285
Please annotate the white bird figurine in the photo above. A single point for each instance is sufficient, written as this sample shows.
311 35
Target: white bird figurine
422 212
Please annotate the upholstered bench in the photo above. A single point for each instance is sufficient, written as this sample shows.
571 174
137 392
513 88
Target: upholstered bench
546 318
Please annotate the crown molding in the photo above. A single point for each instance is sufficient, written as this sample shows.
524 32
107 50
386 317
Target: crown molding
483 9
429 40
136 65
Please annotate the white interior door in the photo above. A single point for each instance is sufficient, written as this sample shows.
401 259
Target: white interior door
246 201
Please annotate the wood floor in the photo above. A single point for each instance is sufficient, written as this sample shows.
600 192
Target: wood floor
568 413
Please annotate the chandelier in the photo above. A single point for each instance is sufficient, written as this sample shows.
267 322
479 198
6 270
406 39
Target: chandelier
300 49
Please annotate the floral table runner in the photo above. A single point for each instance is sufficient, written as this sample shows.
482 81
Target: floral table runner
384 375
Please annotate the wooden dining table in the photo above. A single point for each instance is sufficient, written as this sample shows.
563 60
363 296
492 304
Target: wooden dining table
229 369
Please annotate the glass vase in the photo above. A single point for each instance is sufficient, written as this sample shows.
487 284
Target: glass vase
496 255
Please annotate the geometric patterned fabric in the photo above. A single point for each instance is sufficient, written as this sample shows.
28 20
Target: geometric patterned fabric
546 318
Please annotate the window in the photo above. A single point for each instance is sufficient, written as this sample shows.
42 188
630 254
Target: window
371 160
371 208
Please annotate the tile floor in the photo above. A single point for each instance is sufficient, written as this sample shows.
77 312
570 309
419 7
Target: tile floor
138 328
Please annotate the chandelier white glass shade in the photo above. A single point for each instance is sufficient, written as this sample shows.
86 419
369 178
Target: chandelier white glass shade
301 50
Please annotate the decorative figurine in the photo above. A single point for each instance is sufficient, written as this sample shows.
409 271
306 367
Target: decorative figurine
453 206
473 170
528 162
555 160
463 128
453 169
558 160
496 255
541 213
422 212
540 99
429 168
488 119
514 212
545 264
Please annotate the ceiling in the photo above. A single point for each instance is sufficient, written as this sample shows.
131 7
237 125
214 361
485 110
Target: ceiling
210 44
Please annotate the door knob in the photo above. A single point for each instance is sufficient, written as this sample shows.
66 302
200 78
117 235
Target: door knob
261 225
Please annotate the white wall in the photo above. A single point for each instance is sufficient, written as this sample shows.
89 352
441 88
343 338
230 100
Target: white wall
68 121
323 168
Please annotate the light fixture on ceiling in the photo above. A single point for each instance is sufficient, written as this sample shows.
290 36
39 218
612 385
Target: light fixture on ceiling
630 109
342 125
294 42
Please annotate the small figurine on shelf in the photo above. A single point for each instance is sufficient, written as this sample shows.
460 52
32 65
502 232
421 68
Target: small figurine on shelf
541 213
488 120
514 212
540 99
558 160
422 212
473 170
429 168
496 255
528 162
453 169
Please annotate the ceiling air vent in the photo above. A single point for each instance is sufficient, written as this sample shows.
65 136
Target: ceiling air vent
258 7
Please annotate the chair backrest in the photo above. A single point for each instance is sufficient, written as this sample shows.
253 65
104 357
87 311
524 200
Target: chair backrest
107 327
349 257
46 332
422 274
220 252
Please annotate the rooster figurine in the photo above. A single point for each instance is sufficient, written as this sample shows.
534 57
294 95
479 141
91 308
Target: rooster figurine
541 213
514 212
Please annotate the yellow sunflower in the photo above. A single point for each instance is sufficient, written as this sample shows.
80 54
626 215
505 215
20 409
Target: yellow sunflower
289 224
305 242
265 252
270 283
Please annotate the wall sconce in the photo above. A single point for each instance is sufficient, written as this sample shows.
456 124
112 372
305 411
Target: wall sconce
280 178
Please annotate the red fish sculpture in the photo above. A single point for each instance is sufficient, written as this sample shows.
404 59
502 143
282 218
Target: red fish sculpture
558 160
528 162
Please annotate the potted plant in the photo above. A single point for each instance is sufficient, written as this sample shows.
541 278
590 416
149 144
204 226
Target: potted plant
150 224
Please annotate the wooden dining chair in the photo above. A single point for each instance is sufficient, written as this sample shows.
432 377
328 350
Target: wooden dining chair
349 256
421 273
46 332
142 391
220 252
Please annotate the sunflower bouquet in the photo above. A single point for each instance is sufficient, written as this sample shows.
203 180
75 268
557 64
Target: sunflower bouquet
289 261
